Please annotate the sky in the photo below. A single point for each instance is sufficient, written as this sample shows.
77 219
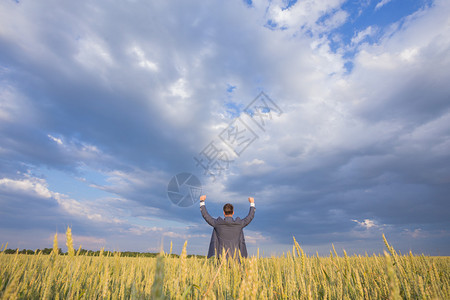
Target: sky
102 103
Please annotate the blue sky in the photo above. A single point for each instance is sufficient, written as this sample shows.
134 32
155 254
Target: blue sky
102 103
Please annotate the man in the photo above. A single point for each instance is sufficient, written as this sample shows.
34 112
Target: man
227 234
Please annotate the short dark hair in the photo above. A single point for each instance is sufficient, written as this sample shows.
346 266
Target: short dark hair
228 209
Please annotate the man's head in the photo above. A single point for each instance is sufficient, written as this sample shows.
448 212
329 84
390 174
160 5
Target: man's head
228 210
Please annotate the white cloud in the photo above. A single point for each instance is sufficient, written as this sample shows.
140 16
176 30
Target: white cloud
409 54
305 13
361 35
14 106
255 237
38 187
56 140
337 19
142 59
28 186
416 233
89 210
180 89
381 4
93 54
254 162
367 223
124 182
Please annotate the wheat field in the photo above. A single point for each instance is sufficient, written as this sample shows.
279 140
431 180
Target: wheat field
293 275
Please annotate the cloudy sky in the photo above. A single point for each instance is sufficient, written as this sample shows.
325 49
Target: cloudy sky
103 102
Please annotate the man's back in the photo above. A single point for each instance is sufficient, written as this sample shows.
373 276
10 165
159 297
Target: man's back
227 234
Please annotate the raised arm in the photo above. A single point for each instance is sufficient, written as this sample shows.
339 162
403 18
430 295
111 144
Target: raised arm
251 212
210 220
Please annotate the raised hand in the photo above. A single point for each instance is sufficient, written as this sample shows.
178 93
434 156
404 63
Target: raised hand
203 198
250 199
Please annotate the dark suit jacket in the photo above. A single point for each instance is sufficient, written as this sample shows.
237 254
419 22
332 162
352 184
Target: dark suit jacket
227 233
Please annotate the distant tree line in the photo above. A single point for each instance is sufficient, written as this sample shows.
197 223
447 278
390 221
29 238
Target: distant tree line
47 251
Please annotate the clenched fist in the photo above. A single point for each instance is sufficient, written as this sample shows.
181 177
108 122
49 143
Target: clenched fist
251 200
203 198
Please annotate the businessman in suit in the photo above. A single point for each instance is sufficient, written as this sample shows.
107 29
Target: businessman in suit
227 234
